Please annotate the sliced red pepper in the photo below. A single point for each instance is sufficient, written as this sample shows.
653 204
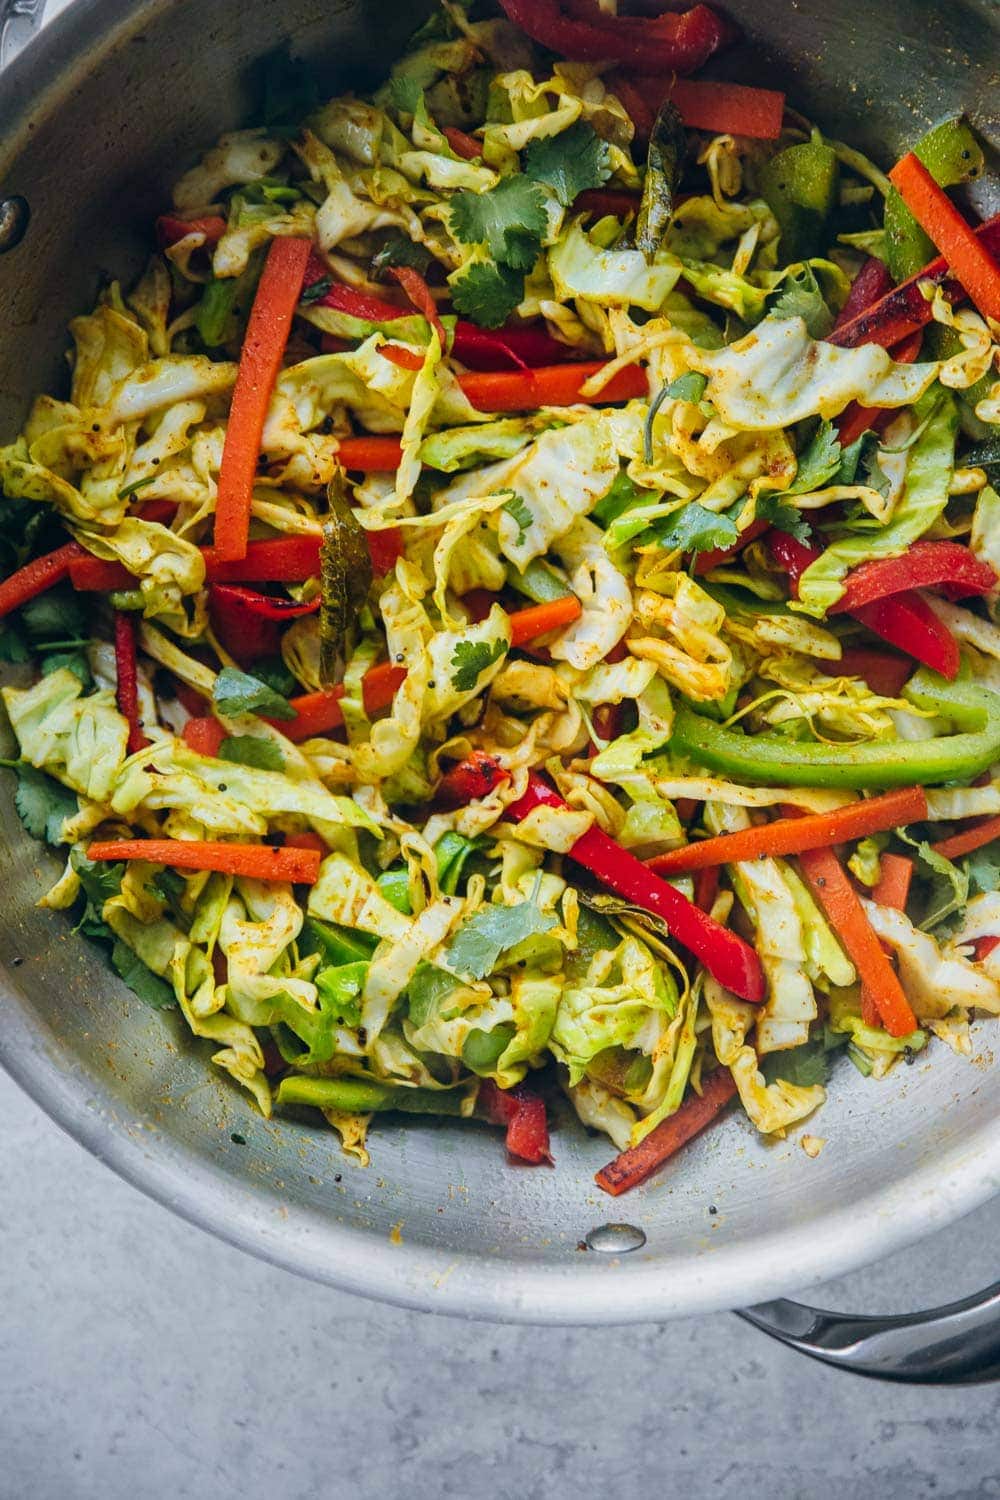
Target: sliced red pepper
659 44
717 557
553 385
246 635
724 953
618 202
402 356
203 735
905 309
523 1113
904 620
984 946
470 779
162 512
421 297
501 348
464 145
358 304
925 565
884 673
855 420
127 671
38 575
319 713
262 606
722 108
385 548
170 228
868 287
285 559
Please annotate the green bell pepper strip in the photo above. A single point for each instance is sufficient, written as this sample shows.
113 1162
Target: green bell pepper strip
951 154
775 761
360 1096
539 582
800 186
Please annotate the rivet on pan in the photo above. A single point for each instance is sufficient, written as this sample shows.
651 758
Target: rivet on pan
14 216
616 1239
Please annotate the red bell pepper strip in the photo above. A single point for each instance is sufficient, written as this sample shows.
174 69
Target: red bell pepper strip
370 455
358 304
884 673
722 108
470 779
552 385
618 202
925 565
523 1113
38 575
419 294
984 831
319 713
905 309
983 947
203 735
256 861
260 360
170 228
904 620
385 548
725 955
245 635
249 603
970 262
830 886
717 557
162 512
501 348
857 820
635 1165
127 671
868 287
464 145
706 887
307 840
284 559
855 420
659 44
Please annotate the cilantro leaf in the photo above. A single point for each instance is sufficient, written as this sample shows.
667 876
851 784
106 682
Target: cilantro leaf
238 693
271 670
872 472
168 885
946 884
687 387
693 528
56 615
405 93
522 515
471 659
74 661
983 868
803 1066
850 457
510 220
800 297
100 879
397 249
771 507
140 978
493 930
819 461
42 803
621 497
251 750
13 647
486 293
570 162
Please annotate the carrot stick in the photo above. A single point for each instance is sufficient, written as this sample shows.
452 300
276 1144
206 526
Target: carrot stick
826 879
793 835
635 1164
983 832
38 575
551 385
256 861
538 619
266 336
893 885
938 217
371 455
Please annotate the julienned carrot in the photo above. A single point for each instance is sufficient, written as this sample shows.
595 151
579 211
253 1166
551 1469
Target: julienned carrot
635 1164
551 385
984 832
319 713
38 575
538 619
834 892
255 861
793 835
971 263
893 885
266 336
371 455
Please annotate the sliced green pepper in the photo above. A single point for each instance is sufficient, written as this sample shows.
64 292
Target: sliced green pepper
361 1096
951 154
540 582
800 186
395 887
775 761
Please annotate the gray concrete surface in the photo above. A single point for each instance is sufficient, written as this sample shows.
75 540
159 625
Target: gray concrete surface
142 1360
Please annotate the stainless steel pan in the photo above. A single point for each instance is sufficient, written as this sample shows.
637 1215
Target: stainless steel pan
96 117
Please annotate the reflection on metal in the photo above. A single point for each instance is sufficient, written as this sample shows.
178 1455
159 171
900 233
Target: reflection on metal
14 216
615 1239
19 20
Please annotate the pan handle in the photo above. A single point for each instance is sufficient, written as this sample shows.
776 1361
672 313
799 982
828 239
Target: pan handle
954 1345
19 20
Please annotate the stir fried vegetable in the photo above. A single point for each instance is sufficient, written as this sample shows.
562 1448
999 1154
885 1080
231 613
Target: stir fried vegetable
508 602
